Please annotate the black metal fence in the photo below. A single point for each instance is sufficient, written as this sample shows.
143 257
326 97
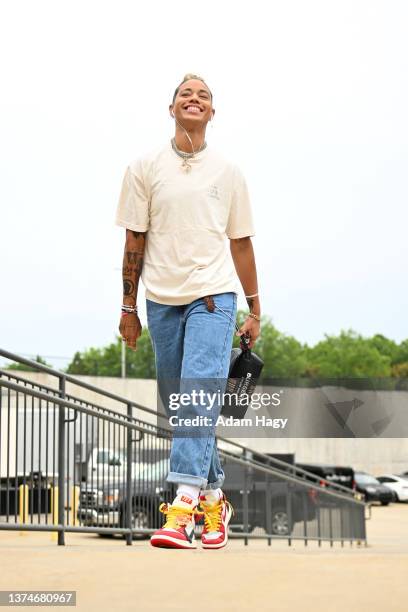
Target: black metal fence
68 464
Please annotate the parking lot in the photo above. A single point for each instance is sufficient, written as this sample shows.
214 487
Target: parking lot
109 575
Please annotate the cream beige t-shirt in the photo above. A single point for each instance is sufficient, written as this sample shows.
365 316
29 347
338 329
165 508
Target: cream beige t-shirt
188 217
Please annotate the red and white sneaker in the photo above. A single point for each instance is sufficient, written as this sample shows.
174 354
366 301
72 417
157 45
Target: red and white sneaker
216 519
178 530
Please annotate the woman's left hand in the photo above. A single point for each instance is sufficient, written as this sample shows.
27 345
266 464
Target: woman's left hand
252 326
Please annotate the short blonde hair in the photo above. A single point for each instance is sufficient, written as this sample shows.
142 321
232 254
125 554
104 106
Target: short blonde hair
188 77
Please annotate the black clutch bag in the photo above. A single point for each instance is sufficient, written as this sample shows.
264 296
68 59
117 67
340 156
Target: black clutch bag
244 372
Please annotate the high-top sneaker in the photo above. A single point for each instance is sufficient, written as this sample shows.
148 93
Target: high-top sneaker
178 530
217 515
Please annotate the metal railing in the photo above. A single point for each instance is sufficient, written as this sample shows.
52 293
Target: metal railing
71 465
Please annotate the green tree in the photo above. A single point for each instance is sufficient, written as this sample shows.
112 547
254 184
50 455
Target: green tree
107 361
400 370
385 346
402 353
26 368
348 355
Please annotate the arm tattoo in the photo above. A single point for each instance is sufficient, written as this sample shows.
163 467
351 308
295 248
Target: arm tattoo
128 287
132 262
131 256
139 264
135 258
128 271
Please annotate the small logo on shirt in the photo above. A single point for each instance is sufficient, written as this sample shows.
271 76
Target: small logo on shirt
214 192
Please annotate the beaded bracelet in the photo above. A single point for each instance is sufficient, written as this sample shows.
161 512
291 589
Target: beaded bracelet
254 316
129 309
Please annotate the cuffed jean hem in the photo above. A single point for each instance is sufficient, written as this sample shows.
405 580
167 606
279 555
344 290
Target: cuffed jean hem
189 479
215 485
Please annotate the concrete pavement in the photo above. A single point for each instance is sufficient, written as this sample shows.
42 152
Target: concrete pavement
108 575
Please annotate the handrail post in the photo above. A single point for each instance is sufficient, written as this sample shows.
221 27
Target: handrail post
289 511
268 507
129 535
245 508
61 464
363 526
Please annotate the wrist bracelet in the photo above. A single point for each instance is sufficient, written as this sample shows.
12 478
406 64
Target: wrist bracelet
253 316
250 296
129 309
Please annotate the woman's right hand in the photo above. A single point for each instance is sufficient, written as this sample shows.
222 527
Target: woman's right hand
130 329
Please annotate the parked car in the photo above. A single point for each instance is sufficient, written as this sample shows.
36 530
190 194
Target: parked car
107 465
335 474
105 506
275 506
397 484
372 489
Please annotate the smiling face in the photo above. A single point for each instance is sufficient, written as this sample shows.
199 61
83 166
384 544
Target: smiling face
192 104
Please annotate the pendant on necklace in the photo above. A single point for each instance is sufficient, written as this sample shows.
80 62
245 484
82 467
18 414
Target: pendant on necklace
185 165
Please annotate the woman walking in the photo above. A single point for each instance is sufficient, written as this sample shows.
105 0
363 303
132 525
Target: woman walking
179 204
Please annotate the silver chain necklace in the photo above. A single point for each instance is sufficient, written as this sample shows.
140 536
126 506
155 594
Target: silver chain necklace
186 156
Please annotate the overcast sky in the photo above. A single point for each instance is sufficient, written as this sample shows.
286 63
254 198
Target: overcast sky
311 102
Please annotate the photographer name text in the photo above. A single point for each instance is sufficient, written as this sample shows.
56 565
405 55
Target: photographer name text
205 421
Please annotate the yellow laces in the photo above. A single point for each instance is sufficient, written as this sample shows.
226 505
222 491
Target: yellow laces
212 515
176 516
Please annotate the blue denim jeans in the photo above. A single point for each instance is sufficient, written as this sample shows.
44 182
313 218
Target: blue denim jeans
190 342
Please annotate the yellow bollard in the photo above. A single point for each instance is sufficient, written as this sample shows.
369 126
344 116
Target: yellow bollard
23 506
74 505
54 511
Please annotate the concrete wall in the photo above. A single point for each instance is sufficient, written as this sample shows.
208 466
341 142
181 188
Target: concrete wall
373 455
